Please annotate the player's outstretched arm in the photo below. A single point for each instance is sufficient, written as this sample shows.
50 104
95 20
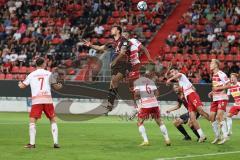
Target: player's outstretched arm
174 108
168 70
175 77
226 86
97 47
146 52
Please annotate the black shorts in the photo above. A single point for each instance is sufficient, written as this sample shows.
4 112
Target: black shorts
185 117
120 67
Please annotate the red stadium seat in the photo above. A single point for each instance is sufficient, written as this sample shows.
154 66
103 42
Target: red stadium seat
221 57
231 28
212 56
167 49
229 57
21 77
168 57
237 57
106 27
115 14
23 70
179 57
2 76
234 50
102 40
31 69
9 77
203 57
130 27
15 69
195 57
174 49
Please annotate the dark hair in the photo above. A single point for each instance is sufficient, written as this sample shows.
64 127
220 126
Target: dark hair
174 68
118 28
39 62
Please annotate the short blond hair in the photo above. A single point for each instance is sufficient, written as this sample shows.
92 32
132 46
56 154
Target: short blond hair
216 61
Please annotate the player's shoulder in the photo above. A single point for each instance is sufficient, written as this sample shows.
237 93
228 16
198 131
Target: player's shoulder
221 73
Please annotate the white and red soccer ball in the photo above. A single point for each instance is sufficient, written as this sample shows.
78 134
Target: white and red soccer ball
142 6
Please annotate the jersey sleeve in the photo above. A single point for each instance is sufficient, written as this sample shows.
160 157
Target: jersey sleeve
136 86
153 86
27 80
224 78
137 43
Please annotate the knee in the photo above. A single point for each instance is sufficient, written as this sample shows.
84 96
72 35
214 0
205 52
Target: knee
176 122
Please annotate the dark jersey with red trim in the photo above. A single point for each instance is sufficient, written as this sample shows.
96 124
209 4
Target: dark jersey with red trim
118 45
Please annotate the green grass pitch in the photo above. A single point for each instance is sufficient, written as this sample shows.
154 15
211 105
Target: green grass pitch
106 138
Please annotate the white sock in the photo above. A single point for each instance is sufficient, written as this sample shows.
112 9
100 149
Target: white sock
200 132
224 129
143 133
54 132
229 124
215 129
164 131
32 133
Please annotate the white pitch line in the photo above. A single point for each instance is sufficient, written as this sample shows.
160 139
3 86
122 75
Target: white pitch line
200 155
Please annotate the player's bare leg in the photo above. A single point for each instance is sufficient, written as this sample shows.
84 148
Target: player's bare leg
212 117
164 131
197 126
229 123
203 113
143 133
32 133
222 126
113 90
178 124
54 130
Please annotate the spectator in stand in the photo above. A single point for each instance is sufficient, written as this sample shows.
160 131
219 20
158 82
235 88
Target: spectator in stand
234 68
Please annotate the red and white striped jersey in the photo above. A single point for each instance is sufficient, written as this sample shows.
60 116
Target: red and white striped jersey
219 79
185 84
134 51
234 90
40 86
146 87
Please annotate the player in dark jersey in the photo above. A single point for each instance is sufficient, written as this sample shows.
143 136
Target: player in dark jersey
184 118
119 62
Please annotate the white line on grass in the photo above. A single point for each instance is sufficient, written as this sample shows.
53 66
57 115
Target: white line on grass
199 155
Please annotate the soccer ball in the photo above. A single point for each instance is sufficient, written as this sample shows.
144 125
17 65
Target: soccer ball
142 6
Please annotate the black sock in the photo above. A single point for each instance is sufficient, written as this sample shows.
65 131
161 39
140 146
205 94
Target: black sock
112 94
195 132
183 131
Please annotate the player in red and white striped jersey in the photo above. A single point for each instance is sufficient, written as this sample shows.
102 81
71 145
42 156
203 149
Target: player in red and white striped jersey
145 93
136 48
220 83
233 90
193 100
39 81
